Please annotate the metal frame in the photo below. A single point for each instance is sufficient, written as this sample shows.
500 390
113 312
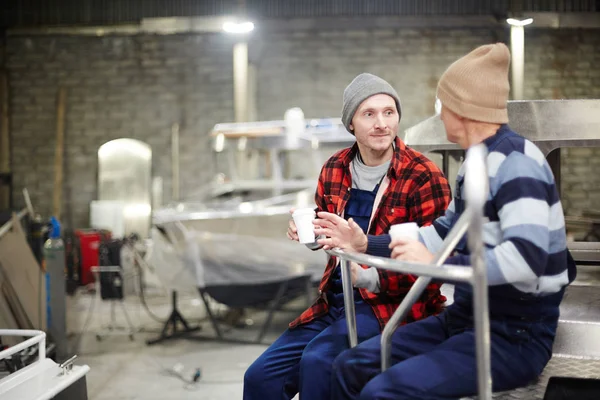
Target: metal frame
112 328
471 222
549 124
35 337
43 378
273 306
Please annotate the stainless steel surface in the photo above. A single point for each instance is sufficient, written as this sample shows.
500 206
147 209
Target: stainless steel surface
577 338
585 251
271 186
581 303
549 124
476 193
579 326
262 158
124 168
558 366
67 366
349 302
587 276
236 215
322 132
415 291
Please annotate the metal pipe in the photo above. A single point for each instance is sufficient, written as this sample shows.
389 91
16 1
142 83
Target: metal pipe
240 81
28 203
36 337
348 290
59 150
454 236
175 162
446 272
8 225
476 192
252 93
517 51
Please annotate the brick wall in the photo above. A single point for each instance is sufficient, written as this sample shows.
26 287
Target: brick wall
137 86
311 69
131 86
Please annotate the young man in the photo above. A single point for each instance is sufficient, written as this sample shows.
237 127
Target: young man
376 183
527 259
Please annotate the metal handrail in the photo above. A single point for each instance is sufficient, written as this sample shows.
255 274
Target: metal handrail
28 210
348 291
35 338
471 221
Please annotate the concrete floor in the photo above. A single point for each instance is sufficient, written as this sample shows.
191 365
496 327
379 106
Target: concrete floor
122 369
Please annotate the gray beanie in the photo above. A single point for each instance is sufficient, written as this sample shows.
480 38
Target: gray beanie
361 88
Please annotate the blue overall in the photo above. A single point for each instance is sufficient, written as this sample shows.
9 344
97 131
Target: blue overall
301 359
435 358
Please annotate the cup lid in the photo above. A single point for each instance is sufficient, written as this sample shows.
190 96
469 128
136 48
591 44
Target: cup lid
407 226
303 211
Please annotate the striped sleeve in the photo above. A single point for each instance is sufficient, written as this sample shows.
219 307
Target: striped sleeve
433 236
523 192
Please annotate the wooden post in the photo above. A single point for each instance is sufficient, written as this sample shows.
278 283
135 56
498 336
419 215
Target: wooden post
58 154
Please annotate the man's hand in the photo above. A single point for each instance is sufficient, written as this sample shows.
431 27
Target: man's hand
410 250
346 235
292 232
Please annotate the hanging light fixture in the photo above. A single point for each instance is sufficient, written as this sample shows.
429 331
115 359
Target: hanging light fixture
238 27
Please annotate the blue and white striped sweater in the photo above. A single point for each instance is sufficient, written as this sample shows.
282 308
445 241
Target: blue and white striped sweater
524 232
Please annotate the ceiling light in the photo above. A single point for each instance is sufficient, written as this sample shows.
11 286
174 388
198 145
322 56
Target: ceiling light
518 22
238 27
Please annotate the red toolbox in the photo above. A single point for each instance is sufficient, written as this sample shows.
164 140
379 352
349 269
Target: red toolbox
89 242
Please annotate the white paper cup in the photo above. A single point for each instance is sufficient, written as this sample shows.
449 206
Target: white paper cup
409 230
303 218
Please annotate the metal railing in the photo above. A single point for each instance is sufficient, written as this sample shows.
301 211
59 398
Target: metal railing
36 337
28 210
471 222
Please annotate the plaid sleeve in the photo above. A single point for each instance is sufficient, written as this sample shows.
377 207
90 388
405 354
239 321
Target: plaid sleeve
320 193
430 200
427 202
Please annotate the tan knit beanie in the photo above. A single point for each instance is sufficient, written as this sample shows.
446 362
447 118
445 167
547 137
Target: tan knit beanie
476 85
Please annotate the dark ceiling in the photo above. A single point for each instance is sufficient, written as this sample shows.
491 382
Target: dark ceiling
35 13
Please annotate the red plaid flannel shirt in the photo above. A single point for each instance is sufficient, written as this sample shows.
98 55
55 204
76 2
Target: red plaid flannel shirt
417 192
